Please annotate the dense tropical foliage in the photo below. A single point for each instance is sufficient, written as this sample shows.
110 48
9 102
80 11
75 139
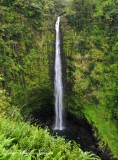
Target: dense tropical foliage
20 140
91 48
90 60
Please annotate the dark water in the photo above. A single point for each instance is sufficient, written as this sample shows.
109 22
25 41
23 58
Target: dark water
80 134
65 134
78 130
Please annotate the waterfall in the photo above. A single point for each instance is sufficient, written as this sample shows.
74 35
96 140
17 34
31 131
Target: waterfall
58 81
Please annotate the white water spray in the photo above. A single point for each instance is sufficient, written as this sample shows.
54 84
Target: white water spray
58 82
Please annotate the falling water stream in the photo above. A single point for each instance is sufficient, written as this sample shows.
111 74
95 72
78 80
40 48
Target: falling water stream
58 81
79 131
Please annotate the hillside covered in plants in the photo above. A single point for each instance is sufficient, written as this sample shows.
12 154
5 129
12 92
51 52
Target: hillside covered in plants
20 140
89 48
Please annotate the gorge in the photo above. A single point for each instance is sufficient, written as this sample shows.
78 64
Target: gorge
52 73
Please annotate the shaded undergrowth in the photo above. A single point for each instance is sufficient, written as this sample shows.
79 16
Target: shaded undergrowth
21 140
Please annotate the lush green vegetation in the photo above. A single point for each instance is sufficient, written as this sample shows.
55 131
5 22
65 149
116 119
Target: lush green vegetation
91 48
26 42
90 34
20 140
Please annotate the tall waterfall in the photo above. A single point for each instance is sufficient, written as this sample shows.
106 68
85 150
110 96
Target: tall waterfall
58 81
